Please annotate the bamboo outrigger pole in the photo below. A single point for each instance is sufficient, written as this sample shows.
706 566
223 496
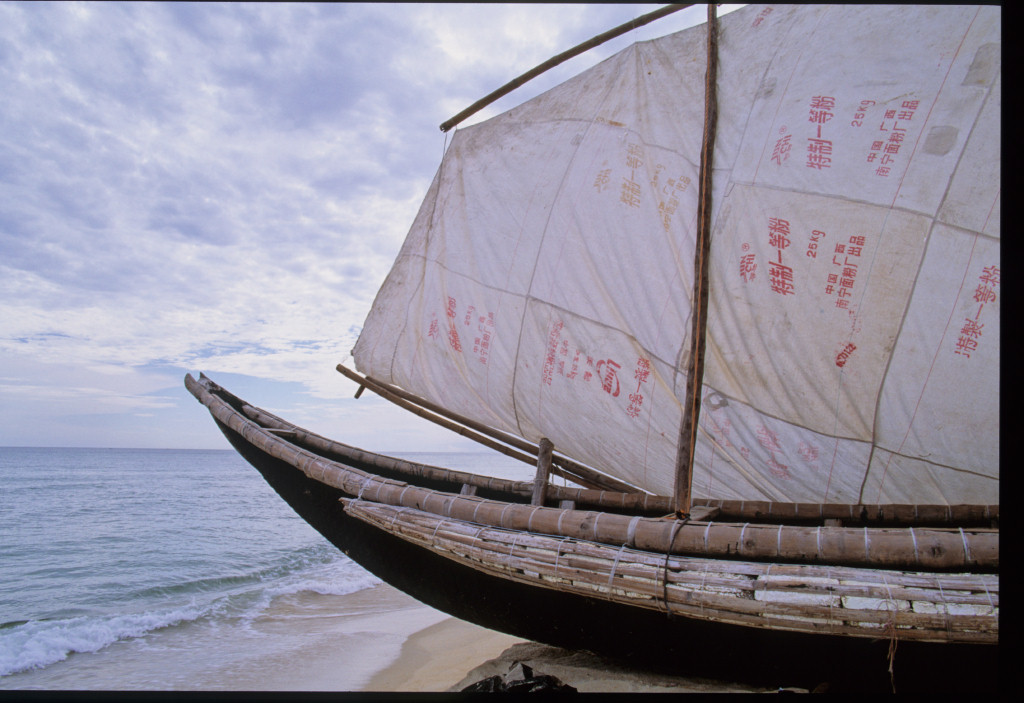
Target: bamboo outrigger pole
691 409
555 60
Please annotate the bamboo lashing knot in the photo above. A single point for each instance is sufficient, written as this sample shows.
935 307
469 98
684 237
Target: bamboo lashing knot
703 578
433 535
967 549
945 606
615 565
511 555
631 531
664 569
558 553
401 496
362 488
529 520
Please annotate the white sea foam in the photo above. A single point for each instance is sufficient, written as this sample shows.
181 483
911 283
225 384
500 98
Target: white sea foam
338 578
37 644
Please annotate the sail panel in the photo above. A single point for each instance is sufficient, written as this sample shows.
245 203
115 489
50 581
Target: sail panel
545 285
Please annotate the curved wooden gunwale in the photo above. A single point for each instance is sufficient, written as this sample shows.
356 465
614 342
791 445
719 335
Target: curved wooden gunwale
923 549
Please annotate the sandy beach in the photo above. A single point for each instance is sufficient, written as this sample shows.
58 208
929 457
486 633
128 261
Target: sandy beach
450 654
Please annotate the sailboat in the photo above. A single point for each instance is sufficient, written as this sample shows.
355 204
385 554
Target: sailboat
735 293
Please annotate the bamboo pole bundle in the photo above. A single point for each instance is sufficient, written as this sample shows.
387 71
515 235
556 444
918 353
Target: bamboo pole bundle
835 600
929 549
891 513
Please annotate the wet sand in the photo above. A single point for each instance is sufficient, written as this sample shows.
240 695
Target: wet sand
451 654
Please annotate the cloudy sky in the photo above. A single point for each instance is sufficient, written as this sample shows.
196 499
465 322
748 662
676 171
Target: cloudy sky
222 188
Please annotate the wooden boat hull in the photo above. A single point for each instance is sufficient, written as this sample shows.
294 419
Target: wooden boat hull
646 637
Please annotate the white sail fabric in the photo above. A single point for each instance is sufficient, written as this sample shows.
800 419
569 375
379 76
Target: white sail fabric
853 337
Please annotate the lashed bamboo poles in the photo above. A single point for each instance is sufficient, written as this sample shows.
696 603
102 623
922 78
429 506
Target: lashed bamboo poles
928 549
833 600
695 373
555 60
467 427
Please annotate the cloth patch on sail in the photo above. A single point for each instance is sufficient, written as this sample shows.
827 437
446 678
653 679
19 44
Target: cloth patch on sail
853 328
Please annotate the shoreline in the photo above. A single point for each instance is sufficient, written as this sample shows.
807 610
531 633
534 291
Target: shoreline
435 658
449 655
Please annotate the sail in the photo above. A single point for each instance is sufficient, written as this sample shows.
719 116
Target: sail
852 349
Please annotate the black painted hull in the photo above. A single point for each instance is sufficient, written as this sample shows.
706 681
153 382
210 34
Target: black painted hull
643 637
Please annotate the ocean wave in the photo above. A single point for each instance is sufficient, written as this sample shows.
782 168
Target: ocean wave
39 643
336 578
35 644
318 568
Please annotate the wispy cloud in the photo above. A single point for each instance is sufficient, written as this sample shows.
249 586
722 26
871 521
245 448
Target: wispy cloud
224 186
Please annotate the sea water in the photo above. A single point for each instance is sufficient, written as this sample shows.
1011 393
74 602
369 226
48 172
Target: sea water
162 569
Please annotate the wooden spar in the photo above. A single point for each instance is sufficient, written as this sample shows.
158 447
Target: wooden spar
561 466
930 549
695 373
555 60
540 483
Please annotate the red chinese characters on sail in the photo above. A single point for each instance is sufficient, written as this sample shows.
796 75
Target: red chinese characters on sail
893 137
819 149
770 441
861 113
845 259
780 152
760 18
609 376
630 192
483 336
748 267
482 344
605 375
641 374
972 329
809 454
844 355
671 192
548 371
780 276
453 334
812 246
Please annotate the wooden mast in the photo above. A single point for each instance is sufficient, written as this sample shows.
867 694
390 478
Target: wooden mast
695 373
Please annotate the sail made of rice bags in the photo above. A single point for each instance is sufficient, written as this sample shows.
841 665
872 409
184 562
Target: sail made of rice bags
853 323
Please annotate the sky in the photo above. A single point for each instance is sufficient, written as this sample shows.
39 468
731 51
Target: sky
222 188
